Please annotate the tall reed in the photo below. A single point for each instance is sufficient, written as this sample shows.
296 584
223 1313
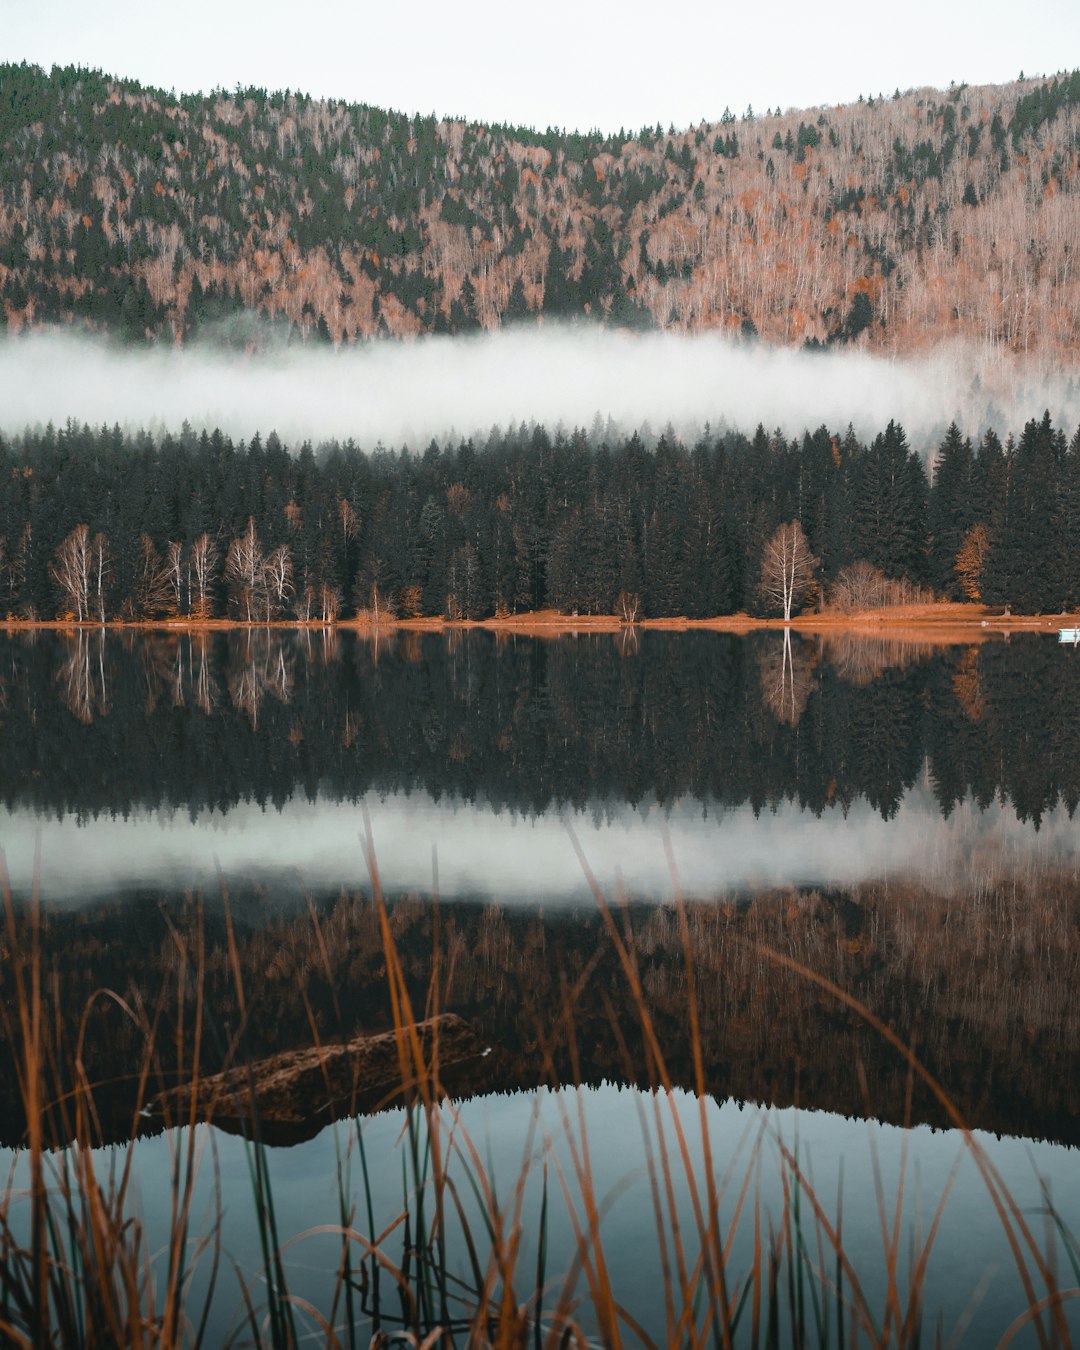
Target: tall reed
465 1261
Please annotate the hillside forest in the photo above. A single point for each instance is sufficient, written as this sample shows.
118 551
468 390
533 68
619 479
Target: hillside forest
894 223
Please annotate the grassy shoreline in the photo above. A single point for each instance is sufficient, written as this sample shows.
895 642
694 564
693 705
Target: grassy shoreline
946 621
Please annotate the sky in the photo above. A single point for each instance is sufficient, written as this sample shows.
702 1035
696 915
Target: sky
570 63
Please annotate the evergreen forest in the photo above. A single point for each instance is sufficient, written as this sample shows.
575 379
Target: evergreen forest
102 525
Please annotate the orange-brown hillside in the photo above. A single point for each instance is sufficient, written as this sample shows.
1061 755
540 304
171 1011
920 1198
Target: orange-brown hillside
892 222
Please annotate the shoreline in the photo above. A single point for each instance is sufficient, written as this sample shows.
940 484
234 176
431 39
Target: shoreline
944 622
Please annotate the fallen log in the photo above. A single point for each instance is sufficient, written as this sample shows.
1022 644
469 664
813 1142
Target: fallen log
292 1094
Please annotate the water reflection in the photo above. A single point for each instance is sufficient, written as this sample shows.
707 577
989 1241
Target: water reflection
312 841
98 724
983 980
895 816
626 1135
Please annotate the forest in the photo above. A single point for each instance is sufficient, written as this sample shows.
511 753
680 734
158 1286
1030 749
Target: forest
896 222
103 525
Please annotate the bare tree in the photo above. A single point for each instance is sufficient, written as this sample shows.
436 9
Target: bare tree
329 602
348 520
172 571
373 600
152 590
629 606
100 572
305 603
787 568
860 585
277 580
70 571
203 559
244 570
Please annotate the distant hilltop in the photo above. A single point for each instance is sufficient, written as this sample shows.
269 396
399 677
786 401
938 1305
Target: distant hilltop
892 223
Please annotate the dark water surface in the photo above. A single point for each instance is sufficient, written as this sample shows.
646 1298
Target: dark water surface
897 817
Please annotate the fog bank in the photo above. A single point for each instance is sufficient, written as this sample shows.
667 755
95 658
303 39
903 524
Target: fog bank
530 861
407 393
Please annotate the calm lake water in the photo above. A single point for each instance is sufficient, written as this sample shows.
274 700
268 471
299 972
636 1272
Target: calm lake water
897 817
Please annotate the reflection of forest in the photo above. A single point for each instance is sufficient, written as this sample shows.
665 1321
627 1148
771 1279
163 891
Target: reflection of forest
95 723
984 984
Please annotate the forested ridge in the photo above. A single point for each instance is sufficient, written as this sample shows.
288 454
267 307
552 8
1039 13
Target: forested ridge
894 222
103 525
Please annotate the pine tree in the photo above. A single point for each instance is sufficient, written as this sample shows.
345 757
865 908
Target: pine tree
951 509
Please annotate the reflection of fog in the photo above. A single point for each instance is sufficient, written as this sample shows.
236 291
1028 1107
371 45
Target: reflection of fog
486 852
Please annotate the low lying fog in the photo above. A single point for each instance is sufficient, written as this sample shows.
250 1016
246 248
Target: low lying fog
406 393
531 860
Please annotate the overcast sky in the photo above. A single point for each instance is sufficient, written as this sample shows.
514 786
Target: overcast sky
573 63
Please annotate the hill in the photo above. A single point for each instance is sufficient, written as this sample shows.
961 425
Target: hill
893 223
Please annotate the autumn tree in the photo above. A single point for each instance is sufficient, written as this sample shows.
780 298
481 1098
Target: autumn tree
787 568
202 565
244 571
70 572
970 561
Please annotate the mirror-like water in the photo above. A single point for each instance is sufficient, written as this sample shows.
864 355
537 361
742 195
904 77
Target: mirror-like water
626 1136
895 816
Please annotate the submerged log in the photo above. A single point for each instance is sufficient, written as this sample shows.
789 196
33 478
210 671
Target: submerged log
293 1094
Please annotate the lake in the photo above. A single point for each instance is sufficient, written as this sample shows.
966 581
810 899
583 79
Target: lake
575 838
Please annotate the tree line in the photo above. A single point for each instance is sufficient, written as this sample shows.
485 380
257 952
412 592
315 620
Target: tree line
99 526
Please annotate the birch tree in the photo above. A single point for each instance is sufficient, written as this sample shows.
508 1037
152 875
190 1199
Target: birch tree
100 573
71 571
787 568
203 559
277 580
244 570
172 570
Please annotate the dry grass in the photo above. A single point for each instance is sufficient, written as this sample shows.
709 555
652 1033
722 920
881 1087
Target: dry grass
76 1269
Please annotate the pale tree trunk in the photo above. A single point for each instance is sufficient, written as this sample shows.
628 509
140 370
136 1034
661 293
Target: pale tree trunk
787 568
202 564
99 557
244 568
71 572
